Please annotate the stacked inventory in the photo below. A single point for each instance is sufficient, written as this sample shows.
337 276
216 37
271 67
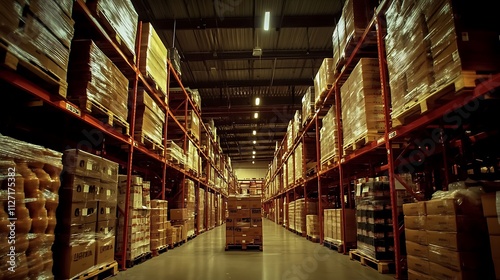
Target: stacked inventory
291 215
491 210
329 139
201 210
139 218
171 234
324 80
195 96
289 135
297 125
175 59
192 124
29 185
298 155
95 82
290 172
150 120
446 237
193 158
244 223
175 154
375 236
308 105
190 204
301 211
333 226
121 16
153 59
362 105
179 220
159 210
312 224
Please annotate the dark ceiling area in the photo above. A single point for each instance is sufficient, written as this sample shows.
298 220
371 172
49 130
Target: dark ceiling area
216 39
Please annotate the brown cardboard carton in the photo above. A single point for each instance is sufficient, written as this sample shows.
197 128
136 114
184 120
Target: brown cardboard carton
256 213
178 214
441 272
496 264
417 236
79 212
453 259
256 222
107 211
493 225
107 192
451 207
417 250
243 214
243 222
415 222
454 240
106 228
229 222
105 251
72 260
233 213
418 264
82 163
76 232
255 202
414 209
450 223
78 189
491 204
413 275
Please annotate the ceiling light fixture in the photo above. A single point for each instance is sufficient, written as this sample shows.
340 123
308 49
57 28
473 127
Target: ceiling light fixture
253 156
253 162
256 115
254 142
267 18
254 132
257 101
254 152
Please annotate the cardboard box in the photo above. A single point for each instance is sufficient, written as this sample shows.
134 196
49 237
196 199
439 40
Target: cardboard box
75 232
255 213
243 222
414 209
106 228
495 245
238 240
450 223
79 212
454 240
441 272
418 264
179 214
491 204
235 202
105 251
493 225
413 275
157 226
417 236
453 259
78 189
109 171
107 211
82 163
243 214
415 222
417 250
256 222
107 192
255 202
69 261
232 213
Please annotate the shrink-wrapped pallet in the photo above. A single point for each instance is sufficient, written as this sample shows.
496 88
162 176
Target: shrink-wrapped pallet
328 136
153 62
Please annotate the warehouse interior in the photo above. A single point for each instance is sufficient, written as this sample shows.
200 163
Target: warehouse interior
225 139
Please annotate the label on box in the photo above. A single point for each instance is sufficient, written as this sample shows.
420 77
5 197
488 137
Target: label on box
106 230
86 188
455 56
89 165
108 193
108 210
84 211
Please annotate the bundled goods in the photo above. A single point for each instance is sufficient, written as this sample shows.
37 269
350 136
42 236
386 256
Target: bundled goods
55 17
139 218
150 119
11 13
350 27
323 80
179 218
328 137
299 170
175 59
175 153
308 105
290 170
159 211
195 96
297 124
153 58
312 225
29 186
192 123
302 209
446 237
244 222
362 104
333 226
201 210
171 234
95 80
491 211
431 44
121 16
375 236
193 158
289 136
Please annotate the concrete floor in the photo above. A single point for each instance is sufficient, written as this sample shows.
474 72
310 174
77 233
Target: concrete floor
286 256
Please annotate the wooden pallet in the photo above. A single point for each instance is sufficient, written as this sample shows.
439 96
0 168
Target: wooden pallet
138 260
352 41
313 239
151 81
328 163
334 245
101 272
381 266
45 75
466 82
191 237
105 115
244 247
360 143
149 143
319 101
160 250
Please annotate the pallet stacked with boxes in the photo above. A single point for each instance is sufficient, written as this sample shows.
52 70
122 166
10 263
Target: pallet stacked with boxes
159 219
201 210
29 185
139 219
308 106
150 120
329 142
244 223
333 229
491 210
291 216
313 229
323 80
190 204
447 237
302 209
153 59
175 154
179 220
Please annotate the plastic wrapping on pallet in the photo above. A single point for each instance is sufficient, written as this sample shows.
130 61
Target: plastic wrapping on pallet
195 96
16 149
94 78
312 224
11 12
175 59
123 18
193 123
362 104
55 18
324 79
328 136
150 118
175 153
299 170
308 105
153 61
289 135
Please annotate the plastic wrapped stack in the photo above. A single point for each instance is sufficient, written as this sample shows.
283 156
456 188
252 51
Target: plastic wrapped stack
375 236
121 16
150 119
291 215
175 154
328 137
491 211
139 218
301 212
159 212
29 184
93 78
312 225
201 210
323 80
153 62
333 231
193 123
362 104
299 170
244 223
290 170
308 105
175 59
195 96
193 158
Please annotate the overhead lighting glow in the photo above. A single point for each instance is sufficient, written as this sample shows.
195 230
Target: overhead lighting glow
254 152
253 162
256 115
257 101
267 17
255 142
253 156
254 132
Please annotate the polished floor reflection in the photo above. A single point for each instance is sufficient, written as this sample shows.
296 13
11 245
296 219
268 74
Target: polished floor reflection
286 256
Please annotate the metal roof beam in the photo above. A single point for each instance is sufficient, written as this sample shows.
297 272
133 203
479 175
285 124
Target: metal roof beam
248 83
266 54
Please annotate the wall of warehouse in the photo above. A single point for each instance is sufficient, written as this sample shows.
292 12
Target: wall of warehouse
249 170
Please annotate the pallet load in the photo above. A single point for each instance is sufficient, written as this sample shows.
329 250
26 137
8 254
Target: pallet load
192 124
334 231
139 219
179 219
201 211
312 225
29 177
298 156
289 135
323 81
447 237
291 216
97 84
150 120
193 158
302 209
308 106
362 106
244 223
171 234
329 139
437 47
213 221
491 211
175 59
175 154
153 59
195 96
120 19
290 170
159 211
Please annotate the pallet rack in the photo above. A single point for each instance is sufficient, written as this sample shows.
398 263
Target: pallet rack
75 127
383 156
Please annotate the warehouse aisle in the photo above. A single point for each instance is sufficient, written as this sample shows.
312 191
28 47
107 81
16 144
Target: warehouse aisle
285 256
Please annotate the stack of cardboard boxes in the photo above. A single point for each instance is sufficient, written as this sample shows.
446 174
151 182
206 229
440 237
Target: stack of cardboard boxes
139 218
158 224
323 80
312 225
291 215
153 63
179 220
150 119
244 222
301 212
333 230
201 210
307 105
329 138
491 210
